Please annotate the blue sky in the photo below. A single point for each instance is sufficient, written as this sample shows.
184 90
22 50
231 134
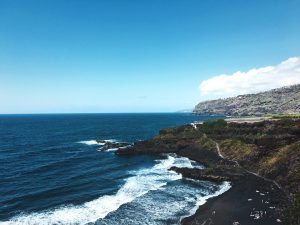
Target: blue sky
134 55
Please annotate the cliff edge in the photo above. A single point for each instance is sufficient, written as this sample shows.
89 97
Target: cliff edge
260 159
284 100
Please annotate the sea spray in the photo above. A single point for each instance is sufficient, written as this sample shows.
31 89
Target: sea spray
144 181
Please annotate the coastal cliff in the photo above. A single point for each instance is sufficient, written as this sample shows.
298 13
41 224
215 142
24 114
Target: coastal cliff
284 100
260 159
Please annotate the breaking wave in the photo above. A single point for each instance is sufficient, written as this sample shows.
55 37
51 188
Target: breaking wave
90 142
142 182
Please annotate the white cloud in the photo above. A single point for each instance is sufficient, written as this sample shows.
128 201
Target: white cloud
255 80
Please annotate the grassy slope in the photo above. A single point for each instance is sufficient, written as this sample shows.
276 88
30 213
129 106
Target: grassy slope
269 148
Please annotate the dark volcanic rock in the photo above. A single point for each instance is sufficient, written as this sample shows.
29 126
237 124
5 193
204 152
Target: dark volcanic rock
269 148
106 145
201 174
147 147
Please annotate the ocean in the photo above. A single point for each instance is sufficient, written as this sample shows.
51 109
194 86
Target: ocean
52 171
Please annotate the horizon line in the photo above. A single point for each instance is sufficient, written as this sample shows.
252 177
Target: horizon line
52 113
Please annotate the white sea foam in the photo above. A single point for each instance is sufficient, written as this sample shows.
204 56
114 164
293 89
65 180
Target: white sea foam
90 142
112 140
201 200
111 149
144 181
94 142
225 186
187 163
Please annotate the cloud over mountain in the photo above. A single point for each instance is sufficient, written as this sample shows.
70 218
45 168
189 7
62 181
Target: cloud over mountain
255 80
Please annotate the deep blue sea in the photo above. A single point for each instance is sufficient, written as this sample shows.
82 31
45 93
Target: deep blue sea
52 171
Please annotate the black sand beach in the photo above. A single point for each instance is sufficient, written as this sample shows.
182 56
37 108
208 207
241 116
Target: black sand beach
250 201
259 158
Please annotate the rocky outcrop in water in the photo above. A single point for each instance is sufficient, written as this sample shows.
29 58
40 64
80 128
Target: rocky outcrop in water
284 100
108 145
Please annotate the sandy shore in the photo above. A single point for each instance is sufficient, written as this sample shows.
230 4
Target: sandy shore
250 201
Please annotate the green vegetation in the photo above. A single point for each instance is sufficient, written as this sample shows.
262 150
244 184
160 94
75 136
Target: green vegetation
281 116
284 167
206 143
281 156
286 123
235 149
186 132
213 126
270 148
293 212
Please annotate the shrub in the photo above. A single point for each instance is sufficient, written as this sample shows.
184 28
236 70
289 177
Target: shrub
214 126
206 143
293 211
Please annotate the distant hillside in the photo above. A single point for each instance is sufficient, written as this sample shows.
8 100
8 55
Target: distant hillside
284 100
185 111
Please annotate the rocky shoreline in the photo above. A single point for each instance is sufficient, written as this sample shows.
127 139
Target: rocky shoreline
260 159
110 144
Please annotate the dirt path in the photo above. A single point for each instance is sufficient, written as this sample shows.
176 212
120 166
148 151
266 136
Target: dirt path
194 125
236 162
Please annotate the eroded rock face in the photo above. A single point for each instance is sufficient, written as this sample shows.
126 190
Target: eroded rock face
278 101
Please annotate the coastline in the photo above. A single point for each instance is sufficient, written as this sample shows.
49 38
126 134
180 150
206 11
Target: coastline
252 198
248 202
225 186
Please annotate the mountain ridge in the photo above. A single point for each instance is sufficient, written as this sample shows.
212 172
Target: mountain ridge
284 100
